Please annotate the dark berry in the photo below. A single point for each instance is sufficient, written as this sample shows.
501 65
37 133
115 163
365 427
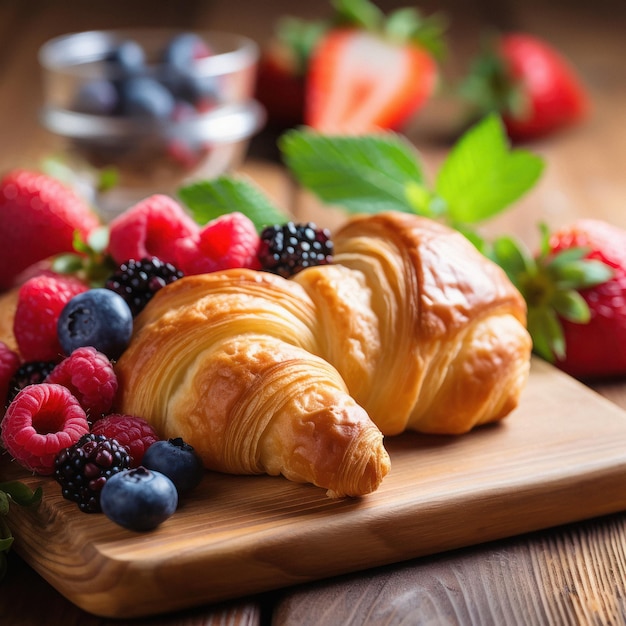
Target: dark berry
184 49
290 248
83 469
29 373
99 318
177 460
138 281
139 499
126 59
144 97
96 97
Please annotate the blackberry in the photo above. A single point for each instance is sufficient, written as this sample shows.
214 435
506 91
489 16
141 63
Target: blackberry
285 250
28 373
137 281
84 468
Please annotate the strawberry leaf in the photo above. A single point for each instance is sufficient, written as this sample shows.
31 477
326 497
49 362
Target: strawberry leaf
547 333
481 175
209 199
365 174
358 13
570 305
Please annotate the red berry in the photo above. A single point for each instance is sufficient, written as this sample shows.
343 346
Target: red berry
597 348
9 362
41 421
38 218
150 229
40 302
134 433
90 376
228 241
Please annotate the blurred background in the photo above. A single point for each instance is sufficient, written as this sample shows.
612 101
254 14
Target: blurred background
584 176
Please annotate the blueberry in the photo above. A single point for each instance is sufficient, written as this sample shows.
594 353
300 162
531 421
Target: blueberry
99 318
126 59
138 499
146 98
177 460
96 97
184 49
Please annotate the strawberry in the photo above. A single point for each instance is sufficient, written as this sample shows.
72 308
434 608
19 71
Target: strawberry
371 72
282 70
39 217
532 85
575 289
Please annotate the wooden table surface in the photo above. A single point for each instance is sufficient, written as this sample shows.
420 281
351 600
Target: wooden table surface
574 574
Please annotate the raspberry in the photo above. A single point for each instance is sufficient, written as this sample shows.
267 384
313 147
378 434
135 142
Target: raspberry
287 249
29 373
9 364
39 217
40 302
138 281
134 433
90 376
228 241
150 228
83 469
41 421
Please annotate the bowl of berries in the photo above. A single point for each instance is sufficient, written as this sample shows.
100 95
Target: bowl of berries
159 107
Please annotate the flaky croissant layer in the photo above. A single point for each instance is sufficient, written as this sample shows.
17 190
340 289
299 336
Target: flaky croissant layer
410 328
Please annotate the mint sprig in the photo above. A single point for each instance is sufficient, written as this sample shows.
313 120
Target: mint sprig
208 199
21 494
480 177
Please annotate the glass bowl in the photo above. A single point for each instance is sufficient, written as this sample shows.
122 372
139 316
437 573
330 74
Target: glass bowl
163 107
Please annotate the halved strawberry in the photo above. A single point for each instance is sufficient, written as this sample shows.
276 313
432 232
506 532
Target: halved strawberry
371 74
533 86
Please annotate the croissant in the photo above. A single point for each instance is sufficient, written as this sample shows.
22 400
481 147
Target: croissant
428 334
226 361
410 328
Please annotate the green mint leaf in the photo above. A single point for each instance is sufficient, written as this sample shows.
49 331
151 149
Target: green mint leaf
20 493
365 174
481 175
209 199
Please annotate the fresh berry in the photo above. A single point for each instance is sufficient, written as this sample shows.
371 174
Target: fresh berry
40 302
9 364
534 88
99 318
228 241
96 97
127 58
287 249
38 219
41 421
146 98
575 290
363 79
597 348
150 228
90 376
137 281
29 373
139 499
178 461
134 433
184 49
82 469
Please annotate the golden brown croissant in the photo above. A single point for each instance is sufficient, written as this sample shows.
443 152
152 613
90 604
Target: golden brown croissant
254 370
428 334
226 361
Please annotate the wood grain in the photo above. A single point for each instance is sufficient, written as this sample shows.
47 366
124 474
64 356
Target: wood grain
547 464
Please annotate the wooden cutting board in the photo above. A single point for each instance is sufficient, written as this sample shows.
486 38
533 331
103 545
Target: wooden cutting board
560 457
